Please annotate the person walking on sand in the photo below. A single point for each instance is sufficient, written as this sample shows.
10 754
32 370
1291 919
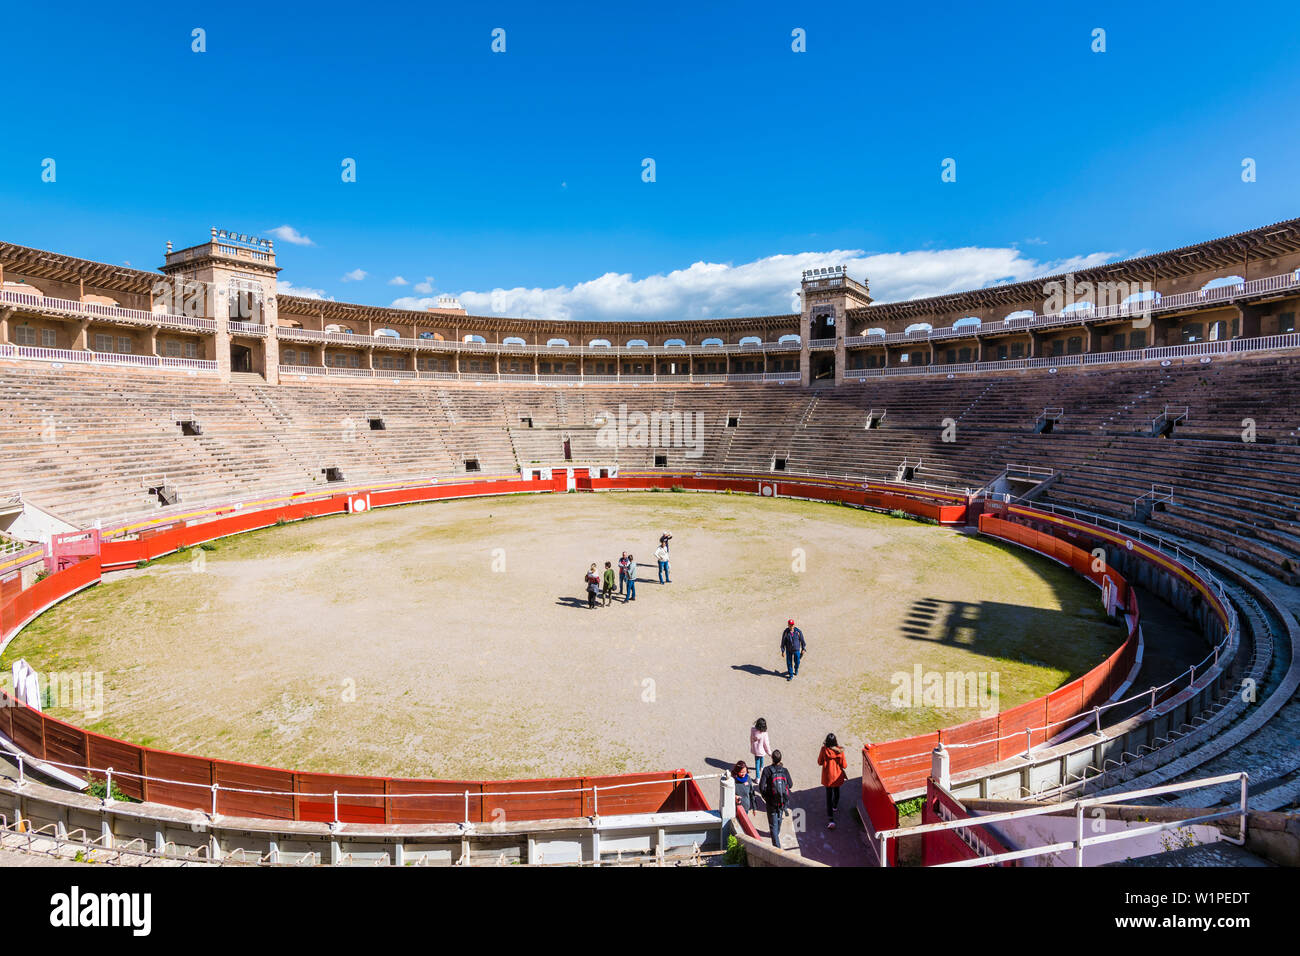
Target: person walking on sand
834 772
607 585
593 586
631 579
776 786
759 745
792 646
661 555
622 575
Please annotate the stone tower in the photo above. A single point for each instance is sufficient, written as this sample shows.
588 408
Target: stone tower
827 293
231 279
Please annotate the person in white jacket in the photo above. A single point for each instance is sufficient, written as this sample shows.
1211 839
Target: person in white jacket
661 555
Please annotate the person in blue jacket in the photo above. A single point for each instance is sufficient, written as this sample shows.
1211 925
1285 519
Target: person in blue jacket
792 646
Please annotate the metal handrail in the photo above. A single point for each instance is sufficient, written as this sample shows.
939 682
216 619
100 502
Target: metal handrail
1078 806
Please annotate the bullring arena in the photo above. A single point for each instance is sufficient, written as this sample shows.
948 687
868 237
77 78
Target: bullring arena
293 581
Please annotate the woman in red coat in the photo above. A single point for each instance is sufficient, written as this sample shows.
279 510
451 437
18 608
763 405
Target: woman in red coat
834 772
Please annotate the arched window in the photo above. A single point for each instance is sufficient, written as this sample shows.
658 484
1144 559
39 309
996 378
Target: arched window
1019 314
563 342
874 332
790 337
918 327
638 344
679 342
1221 282
339 329
751 340
431 336
1077 307
387 333
1150 295
603 343
967 322
513 340
708 342
475 339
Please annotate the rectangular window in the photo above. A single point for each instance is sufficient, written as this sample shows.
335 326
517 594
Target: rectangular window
1285 324
103 343
191 350
1002 353
1075 345
173 349
50 338
1118 344
25 335
1193 332
124 344
1017 350
1138 339
1058 348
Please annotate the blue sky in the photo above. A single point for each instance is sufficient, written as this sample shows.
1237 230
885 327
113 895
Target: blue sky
521 172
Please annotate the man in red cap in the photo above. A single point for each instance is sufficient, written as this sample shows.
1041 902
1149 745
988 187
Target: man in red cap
792 646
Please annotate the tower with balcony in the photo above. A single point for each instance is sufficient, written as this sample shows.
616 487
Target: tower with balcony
231 278
827 294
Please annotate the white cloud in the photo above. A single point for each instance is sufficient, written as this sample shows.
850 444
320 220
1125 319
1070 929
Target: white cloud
356 275
284 287
290 235
398 280
763 287
425 287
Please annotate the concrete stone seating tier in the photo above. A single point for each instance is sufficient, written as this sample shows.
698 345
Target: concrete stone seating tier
96 444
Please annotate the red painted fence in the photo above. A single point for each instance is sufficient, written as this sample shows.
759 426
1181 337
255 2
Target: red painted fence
898 766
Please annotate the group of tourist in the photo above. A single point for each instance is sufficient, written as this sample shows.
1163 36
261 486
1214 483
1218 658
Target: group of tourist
600 584
771 783
774 785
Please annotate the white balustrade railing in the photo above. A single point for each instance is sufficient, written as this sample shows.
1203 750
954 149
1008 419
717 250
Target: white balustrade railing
1074 317
42 303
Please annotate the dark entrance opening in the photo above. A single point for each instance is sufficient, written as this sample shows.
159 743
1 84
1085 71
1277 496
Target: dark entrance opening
166 495
332 474
661 461
778 464
471 464
823 366
241 358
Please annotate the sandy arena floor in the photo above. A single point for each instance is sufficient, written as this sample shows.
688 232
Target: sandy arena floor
453 639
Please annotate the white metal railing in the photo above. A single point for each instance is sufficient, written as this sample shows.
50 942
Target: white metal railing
1169 548
1158 493
1079 842
1232 346
1032 470
538 378
216 789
